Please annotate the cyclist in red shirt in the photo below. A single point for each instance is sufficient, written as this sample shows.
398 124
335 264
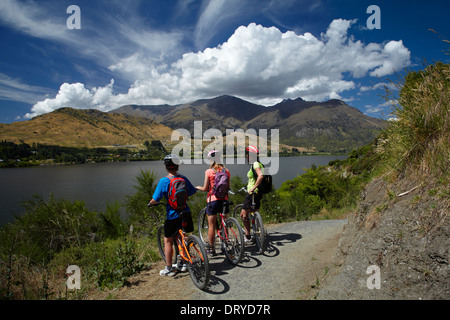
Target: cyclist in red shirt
214 204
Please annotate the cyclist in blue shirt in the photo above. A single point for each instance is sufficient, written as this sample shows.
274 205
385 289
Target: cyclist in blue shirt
173 217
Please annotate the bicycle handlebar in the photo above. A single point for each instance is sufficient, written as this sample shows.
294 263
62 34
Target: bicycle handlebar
154 205
242 189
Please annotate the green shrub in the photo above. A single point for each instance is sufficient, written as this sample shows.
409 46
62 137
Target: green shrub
118 262
48 227
111 224
143 219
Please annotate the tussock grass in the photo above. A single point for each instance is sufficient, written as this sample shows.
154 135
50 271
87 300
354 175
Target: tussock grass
419 138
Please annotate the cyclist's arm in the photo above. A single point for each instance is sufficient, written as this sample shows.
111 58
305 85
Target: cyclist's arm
205 186
159 191
191 190
258 179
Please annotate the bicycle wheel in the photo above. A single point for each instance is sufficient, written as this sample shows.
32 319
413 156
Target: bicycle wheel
160 239
237 215
199 268
233 241
203 226
259 232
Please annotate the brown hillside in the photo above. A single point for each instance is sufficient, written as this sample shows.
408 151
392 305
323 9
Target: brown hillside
85 128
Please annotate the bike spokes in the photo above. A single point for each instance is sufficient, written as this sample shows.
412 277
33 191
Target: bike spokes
233 239
198 263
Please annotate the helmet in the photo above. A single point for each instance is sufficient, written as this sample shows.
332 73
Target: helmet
171 161
213 154
252 149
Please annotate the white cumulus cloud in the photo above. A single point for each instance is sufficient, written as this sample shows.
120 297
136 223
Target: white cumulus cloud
76 96
256 63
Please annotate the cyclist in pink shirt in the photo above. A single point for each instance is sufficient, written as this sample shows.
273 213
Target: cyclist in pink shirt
214 204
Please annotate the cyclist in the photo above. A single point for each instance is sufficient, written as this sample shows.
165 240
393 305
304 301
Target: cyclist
173 217
252 156
214 204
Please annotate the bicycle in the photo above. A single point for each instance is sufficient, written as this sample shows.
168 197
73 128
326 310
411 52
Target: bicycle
229 234
188 250
257 230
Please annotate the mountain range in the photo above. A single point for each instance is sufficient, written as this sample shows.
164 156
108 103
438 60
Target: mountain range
331 126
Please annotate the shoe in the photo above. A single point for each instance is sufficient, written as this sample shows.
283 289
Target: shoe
181 267
211 250
248 241
168 272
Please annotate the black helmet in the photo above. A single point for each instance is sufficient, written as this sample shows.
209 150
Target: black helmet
171 161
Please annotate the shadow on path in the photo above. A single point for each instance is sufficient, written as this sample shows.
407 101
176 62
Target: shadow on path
220 267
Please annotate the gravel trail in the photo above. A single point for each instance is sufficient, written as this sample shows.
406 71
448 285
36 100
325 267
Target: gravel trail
298 254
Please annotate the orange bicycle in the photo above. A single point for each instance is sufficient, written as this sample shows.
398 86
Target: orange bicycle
188 251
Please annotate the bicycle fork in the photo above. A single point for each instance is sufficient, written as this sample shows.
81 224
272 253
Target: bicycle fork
183 250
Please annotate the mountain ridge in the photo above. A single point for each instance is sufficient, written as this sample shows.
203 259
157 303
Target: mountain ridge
324 126
330 126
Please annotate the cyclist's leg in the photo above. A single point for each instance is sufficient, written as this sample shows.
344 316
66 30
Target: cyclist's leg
168 250
171 228
211 211
212 229
257 199
245 212
244 215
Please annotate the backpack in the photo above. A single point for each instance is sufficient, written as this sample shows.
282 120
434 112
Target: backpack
266 184
177 194
221 184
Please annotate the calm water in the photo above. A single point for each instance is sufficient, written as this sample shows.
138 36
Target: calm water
100 183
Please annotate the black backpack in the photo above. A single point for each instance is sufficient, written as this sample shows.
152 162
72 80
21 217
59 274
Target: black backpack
266 184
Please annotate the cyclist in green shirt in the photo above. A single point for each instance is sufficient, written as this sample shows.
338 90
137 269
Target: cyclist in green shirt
252 156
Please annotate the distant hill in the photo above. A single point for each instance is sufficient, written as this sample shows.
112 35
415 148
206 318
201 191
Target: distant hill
85 128
324 126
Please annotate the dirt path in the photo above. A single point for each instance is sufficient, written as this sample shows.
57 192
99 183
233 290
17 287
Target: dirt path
298 257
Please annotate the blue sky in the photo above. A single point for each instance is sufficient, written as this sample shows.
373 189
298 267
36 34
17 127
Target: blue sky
157 52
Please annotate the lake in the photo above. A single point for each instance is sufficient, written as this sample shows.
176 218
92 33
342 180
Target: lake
99 183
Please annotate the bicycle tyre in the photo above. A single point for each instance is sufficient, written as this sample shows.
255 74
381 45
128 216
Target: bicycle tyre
259 232
203 227
199 269
237 215
234 243
160 239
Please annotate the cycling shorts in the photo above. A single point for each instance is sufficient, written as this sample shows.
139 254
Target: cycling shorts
248 201
216 207
171 227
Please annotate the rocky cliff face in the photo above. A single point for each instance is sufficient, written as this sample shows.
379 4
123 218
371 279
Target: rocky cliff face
402 240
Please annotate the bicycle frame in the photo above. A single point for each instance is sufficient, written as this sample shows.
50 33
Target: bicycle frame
222 226
252 208
183 251
253 216
180 240
183 244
